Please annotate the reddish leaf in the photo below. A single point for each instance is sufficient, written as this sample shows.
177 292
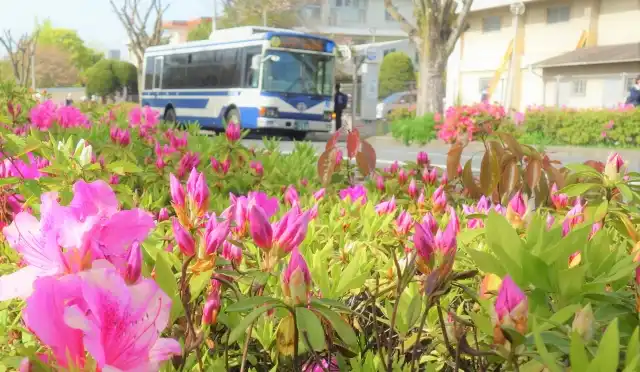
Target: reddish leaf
533 173
597 165
369 153
542 195
333 141
510 178
511 143
363 163
353 143
327 165
489 172
469 182
453 160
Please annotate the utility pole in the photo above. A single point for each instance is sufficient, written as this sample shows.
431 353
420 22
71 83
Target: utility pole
264 17
215 15
33 67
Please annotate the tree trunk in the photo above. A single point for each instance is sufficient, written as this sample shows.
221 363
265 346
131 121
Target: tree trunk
431 83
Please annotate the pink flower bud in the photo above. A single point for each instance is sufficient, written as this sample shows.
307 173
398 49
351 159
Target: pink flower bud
290 231
233 132
423 158
212 304
114 179
163 215
215 234
439 199
257 167
402 177
291 196
435 252
380 183
511 309
231 252
394 167
574 217
184 239
319 194
134 264
387 207
177 192
429 222
296 279
259 228
403 223
413 189
560 201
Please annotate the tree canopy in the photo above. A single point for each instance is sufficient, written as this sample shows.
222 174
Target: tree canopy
109 77
68 41
201 31
54 67
396 71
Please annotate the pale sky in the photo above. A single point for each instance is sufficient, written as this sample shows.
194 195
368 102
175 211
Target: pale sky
93 19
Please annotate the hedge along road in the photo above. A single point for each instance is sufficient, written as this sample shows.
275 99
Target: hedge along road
388 151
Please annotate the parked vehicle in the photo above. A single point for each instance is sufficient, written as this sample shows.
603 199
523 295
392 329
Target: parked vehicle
395 101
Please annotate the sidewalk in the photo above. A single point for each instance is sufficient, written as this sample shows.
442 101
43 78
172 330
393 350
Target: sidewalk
564 151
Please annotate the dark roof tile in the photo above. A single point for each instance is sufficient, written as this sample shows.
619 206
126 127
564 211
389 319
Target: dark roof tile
595 55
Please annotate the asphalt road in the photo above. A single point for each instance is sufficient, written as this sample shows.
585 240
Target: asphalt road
388 151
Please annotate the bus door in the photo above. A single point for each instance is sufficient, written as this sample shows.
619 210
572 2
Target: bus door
158 64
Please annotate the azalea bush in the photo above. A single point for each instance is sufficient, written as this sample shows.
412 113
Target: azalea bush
130 245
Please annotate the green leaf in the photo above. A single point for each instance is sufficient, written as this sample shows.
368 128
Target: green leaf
8 181
251 303
504 242
123 167
608 357
578 189
578 355
601 211
626 192
633 349
342 328
486 262
167 282
309 324
413 310
548 359
246 322
198 283
560 317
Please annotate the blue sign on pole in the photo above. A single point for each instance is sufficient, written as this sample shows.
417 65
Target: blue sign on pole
371 54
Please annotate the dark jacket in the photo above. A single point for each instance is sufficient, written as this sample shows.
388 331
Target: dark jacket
634 96
340 101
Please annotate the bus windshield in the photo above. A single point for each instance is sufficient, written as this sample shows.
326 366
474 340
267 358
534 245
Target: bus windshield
295 72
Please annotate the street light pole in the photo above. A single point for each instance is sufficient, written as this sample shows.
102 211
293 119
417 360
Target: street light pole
517 9
215 15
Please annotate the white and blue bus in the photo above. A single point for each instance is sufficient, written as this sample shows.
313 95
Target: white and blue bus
270 80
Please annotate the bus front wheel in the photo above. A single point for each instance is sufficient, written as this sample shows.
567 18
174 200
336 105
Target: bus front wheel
233 116
170 116
298 136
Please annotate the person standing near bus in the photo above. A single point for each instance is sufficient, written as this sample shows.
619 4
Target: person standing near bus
339 104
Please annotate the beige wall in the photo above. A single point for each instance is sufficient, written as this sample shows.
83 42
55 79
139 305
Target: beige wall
618 22
607 21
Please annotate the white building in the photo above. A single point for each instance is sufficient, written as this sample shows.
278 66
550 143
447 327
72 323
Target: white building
575 53
358 21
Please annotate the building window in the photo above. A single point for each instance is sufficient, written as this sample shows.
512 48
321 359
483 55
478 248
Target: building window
311 12
558 14
629 82
491 23
579 88
483 84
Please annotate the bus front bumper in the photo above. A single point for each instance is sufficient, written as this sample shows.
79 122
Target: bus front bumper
295 125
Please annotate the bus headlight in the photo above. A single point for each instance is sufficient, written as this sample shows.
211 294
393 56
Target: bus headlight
269 112
328 116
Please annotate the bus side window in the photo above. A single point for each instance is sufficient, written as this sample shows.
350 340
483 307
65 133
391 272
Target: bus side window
251 75
148 73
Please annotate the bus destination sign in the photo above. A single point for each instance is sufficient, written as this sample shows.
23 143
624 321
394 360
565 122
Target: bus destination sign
295 42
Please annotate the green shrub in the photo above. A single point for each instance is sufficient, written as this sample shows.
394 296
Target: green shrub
396 72
402 113
413 129
619 127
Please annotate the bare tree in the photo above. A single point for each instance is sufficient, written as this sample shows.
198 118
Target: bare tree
439 24
20 53
143 26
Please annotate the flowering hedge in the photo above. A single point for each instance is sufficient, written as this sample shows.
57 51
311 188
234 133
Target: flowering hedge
541 125
131 246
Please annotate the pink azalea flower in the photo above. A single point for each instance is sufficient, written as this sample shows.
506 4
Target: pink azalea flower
403 223
95 311
386 207
354 194
67 239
